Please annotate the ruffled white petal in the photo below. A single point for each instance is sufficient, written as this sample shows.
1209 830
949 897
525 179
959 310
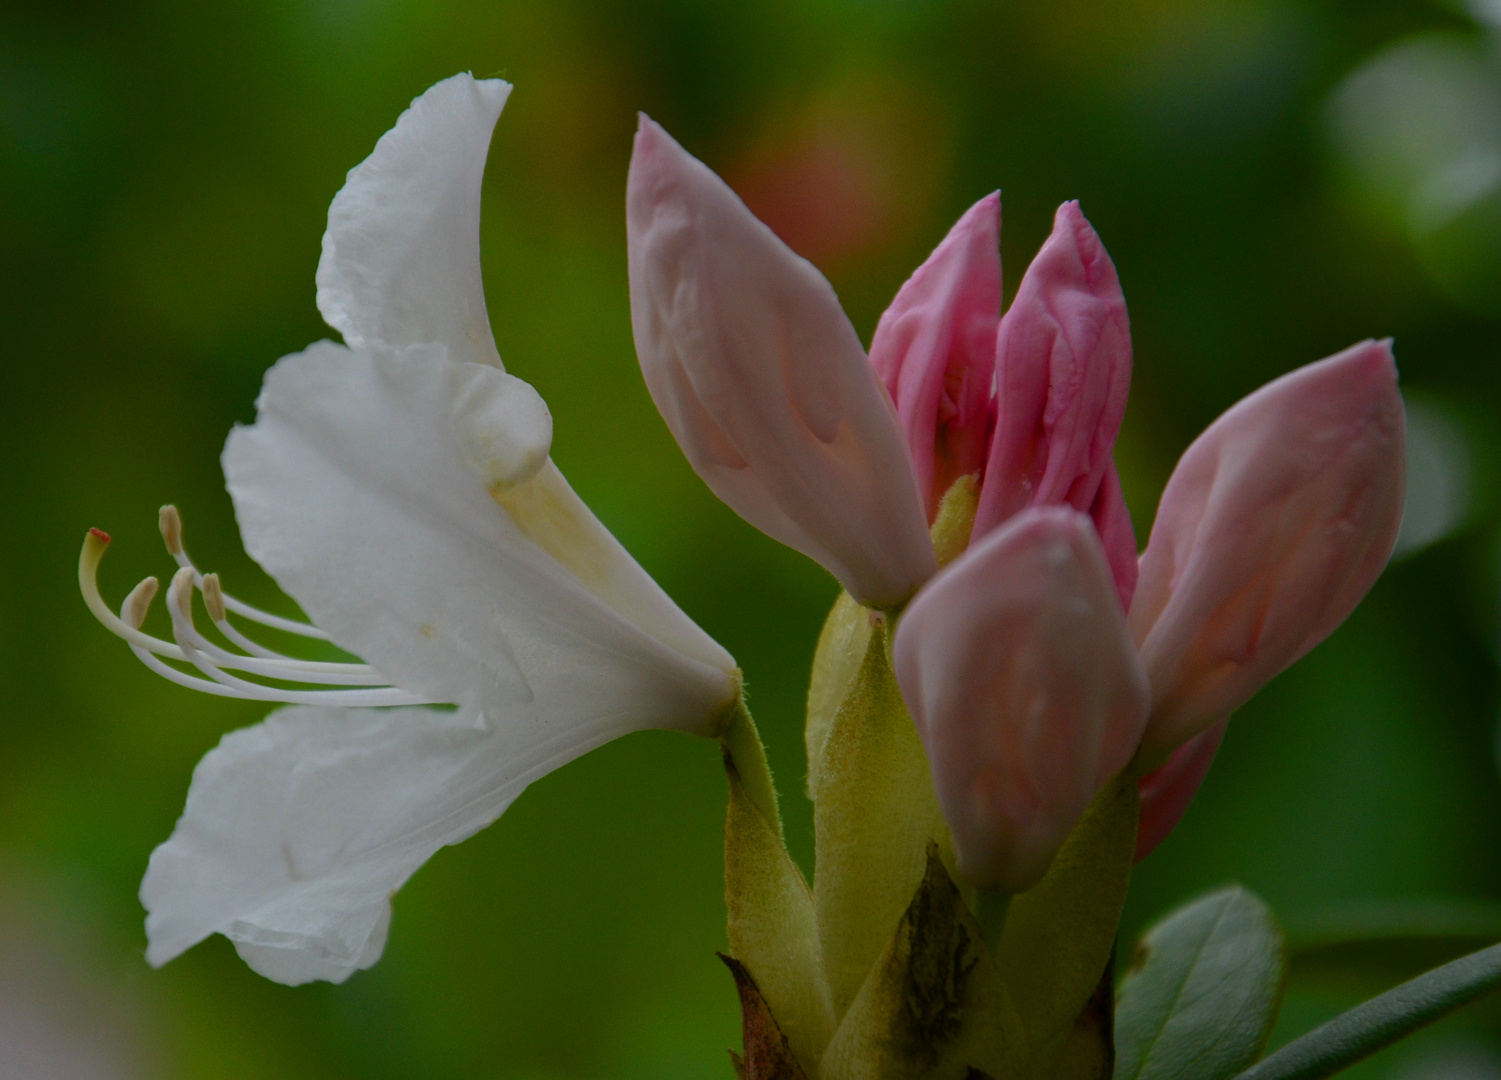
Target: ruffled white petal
400 261
298 830
360 489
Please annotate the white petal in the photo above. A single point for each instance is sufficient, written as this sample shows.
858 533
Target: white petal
297 831
360 490
400 261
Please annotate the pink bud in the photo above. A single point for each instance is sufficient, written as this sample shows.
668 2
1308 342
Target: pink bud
1166 793
1273 526
1063 368
934 348
1016 666
760 376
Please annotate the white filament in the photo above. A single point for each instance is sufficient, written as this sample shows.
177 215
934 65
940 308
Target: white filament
170 523
190 646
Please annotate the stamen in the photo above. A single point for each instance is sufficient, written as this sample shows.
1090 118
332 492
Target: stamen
179 605
213 600
133 611
170 523
192 647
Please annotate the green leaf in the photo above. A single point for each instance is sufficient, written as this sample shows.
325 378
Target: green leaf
772 928
767 1054
1060 934
1383 1020
933 1006
842 644
1203 991
875 816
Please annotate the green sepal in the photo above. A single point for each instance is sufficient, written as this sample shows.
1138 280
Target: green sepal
845 636
933 1007
767 1053
1088 1051
955 519
874 819
742 746
772 927
842 644
1203 991
1060 934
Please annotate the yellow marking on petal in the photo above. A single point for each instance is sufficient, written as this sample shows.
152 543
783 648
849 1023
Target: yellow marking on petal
556 520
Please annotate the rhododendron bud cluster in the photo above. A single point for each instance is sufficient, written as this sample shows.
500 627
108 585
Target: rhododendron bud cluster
1028 694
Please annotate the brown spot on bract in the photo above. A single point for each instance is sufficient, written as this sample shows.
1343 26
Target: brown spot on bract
940 956
427 630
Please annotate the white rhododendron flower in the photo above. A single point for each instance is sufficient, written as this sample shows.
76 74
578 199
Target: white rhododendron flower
399 487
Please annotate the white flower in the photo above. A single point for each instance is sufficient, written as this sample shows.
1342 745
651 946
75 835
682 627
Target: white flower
399 488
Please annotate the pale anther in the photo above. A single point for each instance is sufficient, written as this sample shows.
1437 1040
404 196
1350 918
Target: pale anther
170 523
189 646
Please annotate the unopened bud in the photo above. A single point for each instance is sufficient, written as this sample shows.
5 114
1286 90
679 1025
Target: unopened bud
1272 527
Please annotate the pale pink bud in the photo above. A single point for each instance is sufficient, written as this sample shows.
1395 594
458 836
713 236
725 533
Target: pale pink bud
760 376
1016 666
1063 369
934 348
1275 523
1166 792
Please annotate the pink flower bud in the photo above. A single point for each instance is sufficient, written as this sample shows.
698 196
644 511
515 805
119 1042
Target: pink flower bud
934 348
1063 368
761 378
1166 792
1016 666
1275 523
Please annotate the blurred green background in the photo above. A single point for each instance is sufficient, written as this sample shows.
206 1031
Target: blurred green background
1274 179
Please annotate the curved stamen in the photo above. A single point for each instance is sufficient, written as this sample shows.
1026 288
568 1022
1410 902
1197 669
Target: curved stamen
170 523
95 542
133 613
179 606
329 673
192 647
286 667
213 602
